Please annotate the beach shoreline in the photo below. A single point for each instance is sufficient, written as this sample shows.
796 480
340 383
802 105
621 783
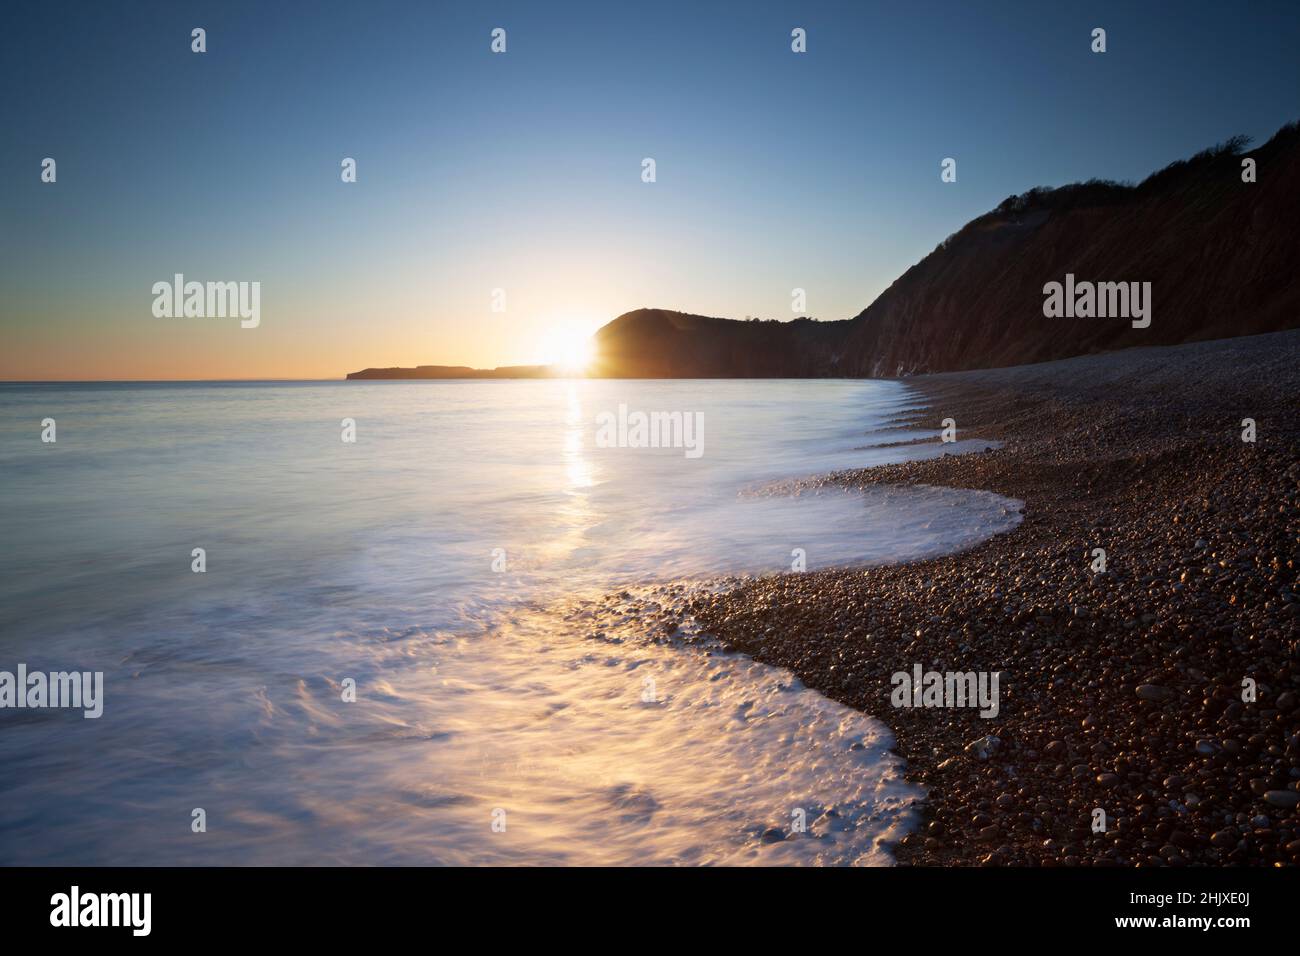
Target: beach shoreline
1139 453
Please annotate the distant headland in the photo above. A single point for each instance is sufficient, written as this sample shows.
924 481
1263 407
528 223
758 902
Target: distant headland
457 371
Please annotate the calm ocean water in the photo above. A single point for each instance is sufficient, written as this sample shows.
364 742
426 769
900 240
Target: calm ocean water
481 693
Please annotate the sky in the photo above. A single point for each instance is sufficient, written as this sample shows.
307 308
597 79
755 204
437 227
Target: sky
522 171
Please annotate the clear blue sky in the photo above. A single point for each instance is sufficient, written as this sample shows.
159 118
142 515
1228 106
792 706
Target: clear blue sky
522 171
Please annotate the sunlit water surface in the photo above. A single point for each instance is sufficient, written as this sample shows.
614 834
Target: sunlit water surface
512 697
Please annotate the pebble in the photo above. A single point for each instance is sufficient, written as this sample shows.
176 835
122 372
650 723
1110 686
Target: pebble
1154 692
1224 838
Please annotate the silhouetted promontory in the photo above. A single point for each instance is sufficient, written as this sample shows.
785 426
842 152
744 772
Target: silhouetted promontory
1220 254
657 343
456 371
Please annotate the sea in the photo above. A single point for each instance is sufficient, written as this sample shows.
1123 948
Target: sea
420 622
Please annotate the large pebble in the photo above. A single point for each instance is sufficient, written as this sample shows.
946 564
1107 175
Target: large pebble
1154 692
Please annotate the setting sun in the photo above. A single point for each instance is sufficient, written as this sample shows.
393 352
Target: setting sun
568 350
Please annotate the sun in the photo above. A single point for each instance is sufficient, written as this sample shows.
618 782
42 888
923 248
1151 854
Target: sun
568 350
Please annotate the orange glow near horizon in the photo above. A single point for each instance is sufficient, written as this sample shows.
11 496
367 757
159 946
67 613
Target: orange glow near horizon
303 339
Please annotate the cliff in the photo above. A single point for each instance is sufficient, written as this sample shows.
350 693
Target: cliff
1221 255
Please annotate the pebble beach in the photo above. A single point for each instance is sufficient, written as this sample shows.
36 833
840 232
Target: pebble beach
1162 691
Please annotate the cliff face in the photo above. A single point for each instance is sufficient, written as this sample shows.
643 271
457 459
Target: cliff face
1221 255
